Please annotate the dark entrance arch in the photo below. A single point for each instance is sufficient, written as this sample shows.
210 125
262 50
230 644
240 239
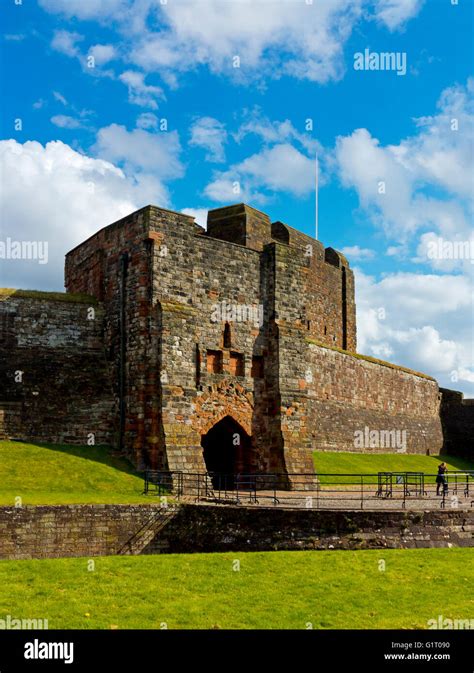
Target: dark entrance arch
227 452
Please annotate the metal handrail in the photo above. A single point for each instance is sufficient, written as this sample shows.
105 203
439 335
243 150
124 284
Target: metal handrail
324 488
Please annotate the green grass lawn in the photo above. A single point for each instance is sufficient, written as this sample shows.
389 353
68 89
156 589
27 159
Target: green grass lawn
336 462
54 474
329 589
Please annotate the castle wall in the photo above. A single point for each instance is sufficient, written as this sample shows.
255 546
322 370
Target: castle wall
330 302
348 394
221 283
55 378
457 418
178 289
240 224
290 345
125 282
62 531
327 304
176 369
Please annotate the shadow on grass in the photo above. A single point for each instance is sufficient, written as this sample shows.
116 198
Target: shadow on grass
98 454
459 462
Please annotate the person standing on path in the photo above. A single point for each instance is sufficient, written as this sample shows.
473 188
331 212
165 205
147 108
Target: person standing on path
441 479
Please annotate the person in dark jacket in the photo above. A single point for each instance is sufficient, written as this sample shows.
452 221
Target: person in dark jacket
441 479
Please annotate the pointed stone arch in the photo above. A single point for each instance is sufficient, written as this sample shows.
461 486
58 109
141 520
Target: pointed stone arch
224 399
227 451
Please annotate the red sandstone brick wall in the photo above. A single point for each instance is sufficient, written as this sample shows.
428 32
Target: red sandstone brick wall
347 394
64 392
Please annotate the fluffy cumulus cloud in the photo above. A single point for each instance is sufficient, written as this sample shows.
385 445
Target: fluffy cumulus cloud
85 9
355 252
442 151
274 131
66 122
139 92
395 183
147 120
227 188
294 38
102 53
281 168
395 13
209 134
419 193
66 42
141 150
52 193
423 321
284 163
303 40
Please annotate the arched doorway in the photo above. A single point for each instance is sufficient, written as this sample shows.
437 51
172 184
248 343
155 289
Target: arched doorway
227 452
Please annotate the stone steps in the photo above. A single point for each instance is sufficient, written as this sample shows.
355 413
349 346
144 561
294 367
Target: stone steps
145 538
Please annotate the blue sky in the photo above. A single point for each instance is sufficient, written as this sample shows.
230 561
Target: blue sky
93 82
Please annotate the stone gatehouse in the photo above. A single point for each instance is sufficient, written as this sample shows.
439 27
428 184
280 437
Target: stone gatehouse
231 349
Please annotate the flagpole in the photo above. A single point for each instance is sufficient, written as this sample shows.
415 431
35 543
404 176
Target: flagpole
317 198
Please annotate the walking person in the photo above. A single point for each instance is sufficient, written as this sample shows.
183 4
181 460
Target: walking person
441 479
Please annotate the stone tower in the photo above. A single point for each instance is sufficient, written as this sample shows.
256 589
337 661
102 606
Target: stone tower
207 332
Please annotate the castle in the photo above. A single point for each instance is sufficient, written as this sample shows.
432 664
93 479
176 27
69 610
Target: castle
231 349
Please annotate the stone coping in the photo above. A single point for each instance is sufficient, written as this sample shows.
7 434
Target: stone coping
368 358
7 293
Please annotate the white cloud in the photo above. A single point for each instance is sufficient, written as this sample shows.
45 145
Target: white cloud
418 191
209 134
395 183
303 40
59 97
395 13
293 38
52 193
85 9
272 39
423 321
98 55
14 37
147 120
199 214
442 153
396 250
66 122
227 189
274 131
102 53
66 42
355 253
154 153
140 93
281 168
